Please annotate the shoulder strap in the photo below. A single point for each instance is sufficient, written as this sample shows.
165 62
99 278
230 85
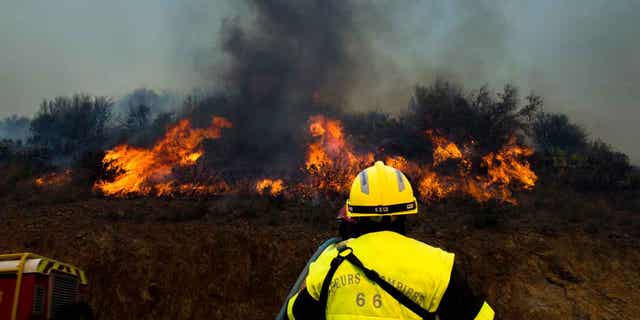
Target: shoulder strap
324 292
373 276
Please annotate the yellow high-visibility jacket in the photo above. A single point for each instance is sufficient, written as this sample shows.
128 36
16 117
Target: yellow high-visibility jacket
421 272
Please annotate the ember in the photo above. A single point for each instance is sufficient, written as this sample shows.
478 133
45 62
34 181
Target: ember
55 178
270 186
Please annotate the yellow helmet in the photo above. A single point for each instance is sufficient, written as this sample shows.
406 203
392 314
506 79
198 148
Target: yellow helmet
381 190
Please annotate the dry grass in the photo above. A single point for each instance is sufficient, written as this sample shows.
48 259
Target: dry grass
235 258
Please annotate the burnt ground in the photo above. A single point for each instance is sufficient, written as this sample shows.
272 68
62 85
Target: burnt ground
235 258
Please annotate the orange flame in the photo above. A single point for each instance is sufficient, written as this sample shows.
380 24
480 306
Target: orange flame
505 167
432 186
506 170
332 164
270 186
148 171
443 149
398 162
331 161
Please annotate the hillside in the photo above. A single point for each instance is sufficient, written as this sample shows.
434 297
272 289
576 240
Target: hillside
231 258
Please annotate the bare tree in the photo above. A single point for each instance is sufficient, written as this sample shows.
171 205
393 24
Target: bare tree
71 125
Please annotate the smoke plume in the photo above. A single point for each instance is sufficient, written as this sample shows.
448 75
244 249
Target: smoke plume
290 60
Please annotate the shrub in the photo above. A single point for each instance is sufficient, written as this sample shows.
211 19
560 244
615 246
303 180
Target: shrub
599 168
490 119
554 132
71 125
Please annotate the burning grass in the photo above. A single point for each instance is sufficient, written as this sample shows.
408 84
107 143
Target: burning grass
499 173
54 179
331 162
272 187
150 171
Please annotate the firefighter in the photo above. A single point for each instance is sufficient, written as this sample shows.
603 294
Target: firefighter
378 272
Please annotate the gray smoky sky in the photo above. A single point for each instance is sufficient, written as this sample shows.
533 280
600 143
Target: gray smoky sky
583 57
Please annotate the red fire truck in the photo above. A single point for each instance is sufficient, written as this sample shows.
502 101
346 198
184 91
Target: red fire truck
35 287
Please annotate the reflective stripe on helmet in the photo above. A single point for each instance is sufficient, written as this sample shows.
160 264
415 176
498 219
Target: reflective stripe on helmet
364 182
395 208
400 180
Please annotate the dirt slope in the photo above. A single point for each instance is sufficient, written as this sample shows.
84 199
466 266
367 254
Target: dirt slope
215 259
